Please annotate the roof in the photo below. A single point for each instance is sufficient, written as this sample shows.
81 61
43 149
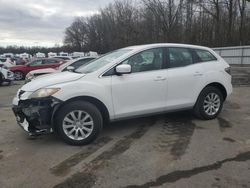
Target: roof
138 47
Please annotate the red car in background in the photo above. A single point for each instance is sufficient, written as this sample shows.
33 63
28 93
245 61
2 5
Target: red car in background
20 71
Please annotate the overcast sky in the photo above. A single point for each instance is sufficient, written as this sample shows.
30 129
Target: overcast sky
41 22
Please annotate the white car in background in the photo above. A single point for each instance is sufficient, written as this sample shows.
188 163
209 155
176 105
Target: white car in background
7 62
129 82
71 65
5 75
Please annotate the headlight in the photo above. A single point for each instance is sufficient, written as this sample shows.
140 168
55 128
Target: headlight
44 92
29 76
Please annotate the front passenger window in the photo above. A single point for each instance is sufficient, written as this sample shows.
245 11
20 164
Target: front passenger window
179 57
147 60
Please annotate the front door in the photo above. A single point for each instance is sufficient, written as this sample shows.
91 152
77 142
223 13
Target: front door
144 89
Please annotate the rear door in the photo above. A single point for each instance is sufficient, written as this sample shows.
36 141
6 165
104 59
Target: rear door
184 77
51 63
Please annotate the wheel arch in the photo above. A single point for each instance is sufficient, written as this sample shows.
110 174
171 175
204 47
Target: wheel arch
220 87
216 85
100 105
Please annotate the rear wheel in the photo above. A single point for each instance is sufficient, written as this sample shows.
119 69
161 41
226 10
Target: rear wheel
79 123
19 75
209 103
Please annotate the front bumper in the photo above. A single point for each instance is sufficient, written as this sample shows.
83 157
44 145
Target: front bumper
9 79
35 115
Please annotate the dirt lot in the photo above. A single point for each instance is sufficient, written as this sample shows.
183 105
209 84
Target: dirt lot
171 150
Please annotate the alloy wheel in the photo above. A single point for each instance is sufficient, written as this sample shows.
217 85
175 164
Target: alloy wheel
18 75
211 104
78 125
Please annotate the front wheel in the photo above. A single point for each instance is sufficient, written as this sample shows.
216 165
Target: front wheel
19 75
209 103
79 122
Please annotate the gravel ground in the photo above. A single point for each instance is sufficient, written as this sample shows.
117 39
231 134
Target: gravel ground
170 150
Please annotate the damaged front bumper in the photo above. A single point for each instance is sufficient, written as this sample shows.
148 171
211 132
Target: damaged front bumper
35 116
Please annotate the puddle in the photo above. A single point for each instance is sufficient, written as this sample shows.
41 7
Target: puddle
64 167
184 174
231 105
79 180
84 180
224 124
229 139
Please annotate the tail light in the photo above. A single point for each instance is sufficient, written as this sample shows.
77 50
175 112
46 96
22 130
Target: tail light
228 70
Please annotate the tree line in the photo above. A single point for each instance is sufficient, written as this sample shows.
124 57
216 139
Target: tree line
122 23
213 23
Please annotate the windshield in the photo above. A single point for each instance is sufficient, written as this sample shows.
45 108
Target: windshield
102 61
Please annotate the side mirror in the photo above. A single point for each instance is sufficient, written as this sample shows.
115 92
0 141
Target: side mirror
123 69
70 68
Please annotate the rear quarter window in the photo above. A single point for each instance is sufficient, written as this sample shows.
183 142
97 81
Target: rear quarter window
205 55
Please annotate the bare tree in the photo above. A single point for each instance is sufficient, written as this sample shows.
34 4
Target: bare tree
75 35
242 8
128 22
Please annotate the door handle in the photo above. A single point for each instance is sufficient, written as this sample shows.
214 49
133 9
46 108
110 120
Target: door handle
159 78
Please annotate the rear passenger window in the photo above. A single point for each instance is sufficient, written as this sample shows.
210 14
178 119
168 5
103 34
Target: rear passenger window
179 57
205 55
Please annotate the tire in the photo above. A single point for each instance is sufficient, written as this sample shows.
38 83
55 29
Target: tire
76 131
19 75
1 79
209 103
10 83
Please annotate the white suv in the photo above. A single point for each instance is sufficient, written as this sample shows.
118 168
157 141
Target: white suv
129 82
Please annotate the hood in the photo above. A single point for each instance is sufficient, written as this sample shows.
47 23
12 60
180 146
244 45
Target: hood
42 71
17 67
51 79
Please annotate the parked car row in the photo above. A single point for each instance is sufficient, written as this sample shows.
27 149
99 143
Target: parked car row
20 71
129 82
40 67
71 65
